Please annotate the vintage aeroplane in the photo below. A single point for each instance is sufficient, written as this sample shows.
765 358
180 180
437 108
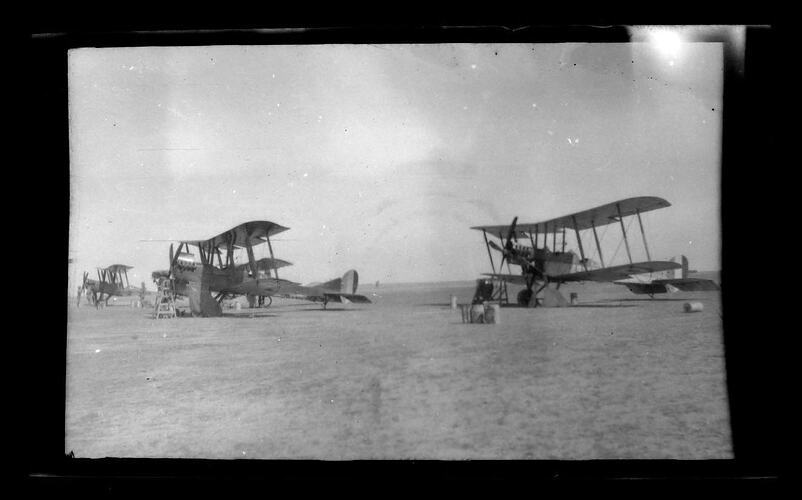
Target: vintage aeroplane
542 266
652 284
199 279
111 281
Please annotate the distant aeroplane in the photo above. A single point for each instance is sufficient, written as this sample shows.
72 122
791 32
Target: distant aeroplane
542 265
198 279
669 284
111 281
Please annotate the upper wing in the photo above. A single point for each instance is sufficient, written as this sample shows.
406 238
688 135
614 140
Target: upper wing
255 232
618 272
599 216
114 268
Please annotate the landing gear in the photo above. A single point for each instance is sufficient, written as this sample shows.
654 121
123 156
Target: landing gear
524 296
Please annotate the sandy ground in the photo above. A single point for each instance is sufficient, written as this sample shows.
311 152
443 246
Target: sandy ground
617 376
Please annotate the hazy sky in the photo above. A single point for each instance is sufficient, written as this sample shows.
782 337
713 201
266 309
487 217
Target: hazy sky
380 158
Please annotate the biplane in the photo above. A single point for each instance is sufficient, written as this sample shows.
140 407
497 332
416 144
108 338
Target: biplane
111 281
215 271
669 283
544 266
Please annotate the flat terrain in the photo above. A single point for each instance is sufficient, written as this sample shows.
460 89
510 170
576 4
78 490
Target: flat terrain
617 376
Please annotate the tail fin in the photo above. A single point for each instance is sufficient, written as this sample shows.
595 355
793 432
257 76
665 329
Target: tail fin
346 284
349 282
684 267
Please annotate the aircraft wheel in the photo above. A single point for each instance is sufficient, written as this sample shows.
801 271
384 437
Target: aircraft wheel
524 296
268 301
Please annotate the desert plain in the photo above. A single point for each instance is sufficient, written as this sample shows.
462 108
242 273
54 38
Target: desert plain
616 376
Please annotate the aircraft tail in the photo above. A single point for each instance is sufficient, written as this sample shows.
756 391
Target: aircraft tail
347 284
350 281
684 267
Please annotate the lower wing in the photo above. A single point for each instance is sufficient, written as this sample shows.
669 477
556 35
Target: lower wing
624 271
509 278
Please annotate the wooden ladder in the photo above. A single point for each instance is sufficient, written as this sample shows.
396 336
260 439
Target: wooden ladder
500 291
165 300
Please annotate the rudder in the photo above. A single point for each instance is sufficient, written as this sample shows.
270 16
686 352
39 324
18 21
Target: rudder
349 282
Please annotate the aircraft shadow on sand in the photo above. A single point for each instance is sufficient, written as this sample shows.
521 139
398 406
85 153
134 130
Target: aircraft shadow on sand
248 315
604 305
656 299
318 310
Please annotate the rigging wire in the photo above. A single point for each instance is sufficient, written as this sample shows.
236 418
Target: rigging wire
620 242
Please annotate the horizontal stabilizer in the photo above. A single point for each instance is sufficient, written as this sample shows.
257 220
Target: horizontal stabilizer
643 288
691 284
347 297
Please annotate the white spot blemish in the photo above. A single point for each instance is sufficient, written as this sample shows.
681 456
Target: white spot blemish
550 132
97 350
473 66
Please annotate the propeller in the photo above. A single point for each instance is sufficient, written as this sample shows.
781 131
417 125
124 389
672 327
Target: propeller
508 248
511 234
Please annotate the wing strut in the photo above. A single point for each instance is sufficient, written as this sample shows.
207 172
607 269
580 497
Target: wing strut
489 254
251 260
648 257
563 249
545 236
270 247
579 240
598 247
624 231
